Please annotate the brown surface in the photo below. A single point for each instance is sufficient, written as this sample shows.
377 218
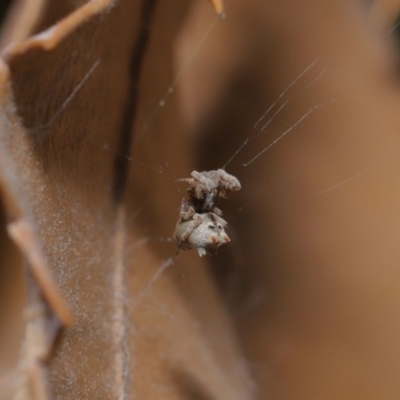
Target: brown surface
304 300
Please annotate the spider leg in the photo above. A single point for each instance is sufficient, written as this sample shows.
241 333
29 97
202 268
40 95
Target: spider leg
189 180
203 184
224 175
217 211
202 251
187 211
199 177
218 219
228 182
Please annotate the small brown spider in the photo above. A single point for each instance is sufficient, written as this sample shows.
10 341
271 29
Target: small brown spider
204 232
200 225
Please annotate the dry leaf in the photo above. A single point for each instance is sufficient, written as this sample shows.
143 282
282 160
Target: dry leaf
73 97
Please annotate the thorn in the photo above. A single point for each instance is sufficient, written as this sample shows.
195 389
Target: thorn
23 236
218 7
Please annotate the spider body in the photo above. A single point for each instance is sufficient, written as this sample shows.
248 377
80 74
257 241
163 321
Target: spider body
204 232
200 225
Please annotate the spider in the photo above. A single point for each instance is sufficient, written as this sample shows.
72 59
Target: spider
204 232
200 225
207 186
